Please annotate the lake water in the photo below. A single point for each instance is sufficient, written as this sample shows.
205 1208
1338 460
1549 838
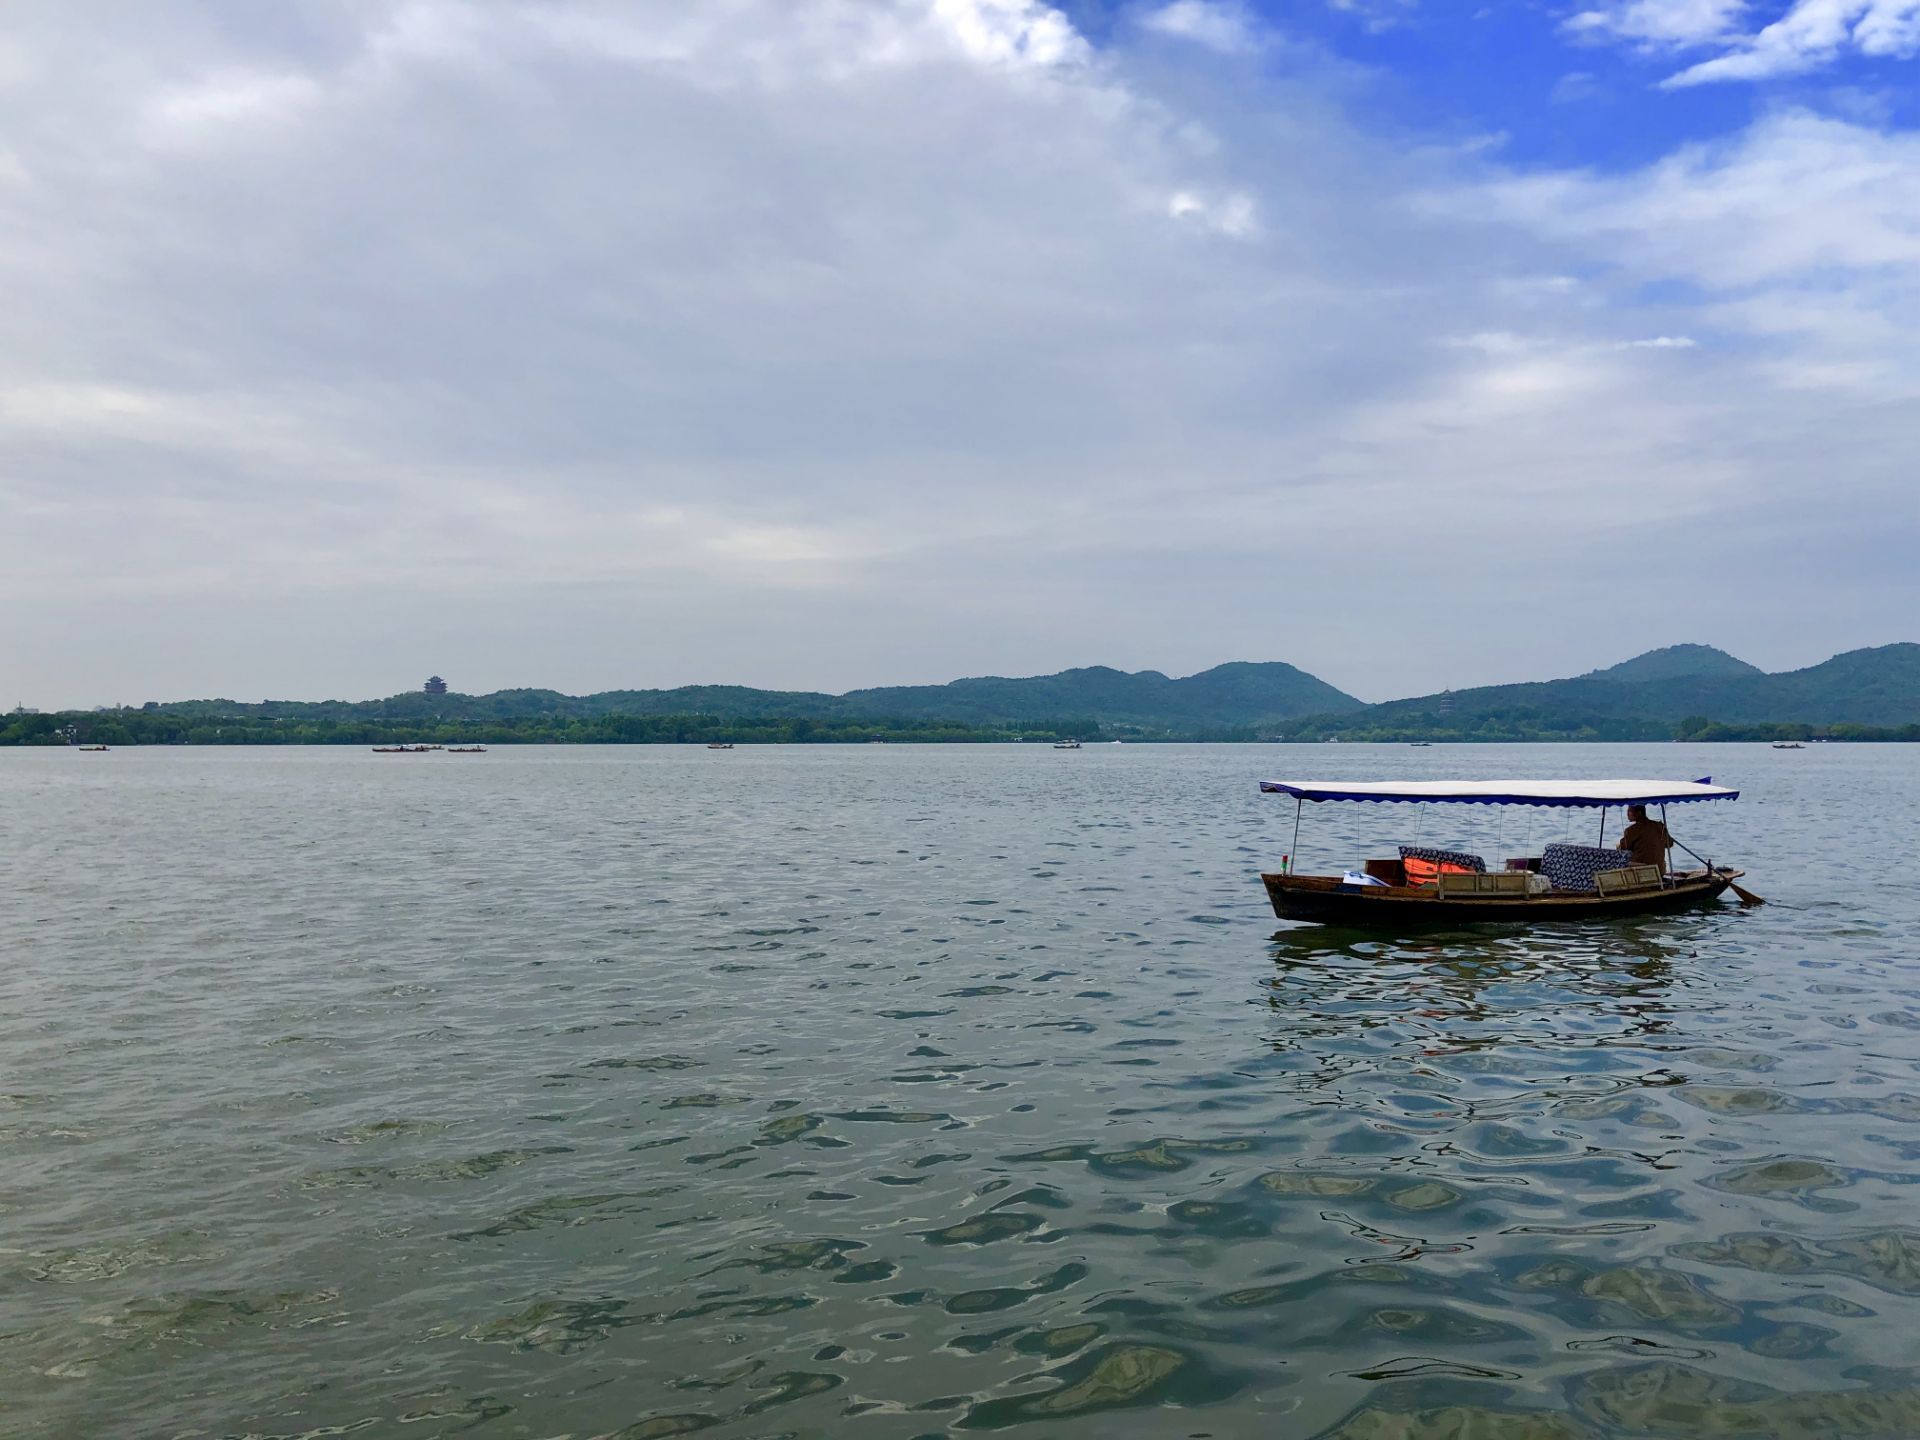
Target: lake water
893 1091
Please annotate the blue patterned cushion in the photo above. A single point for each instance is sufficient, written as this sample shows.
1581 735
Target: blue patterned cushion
1444 857
1572 867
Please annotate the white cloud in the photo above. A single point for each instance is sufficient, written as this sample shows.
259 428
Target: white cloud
1228 215
1376 15
1011 32
1576 86
1662 22
1798 200
1226 27
1890 27
1811 34
232 104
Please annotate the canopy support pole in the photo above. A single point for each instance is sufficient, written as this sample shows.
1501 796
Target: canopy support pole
1602 841
1293 861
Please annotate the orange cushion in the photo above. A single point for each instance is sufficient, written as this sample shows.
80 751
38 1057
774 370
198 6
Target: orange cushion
1428 872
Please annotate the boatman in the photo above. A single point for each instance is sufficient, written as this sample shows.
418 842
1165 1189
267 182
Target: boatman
1646 840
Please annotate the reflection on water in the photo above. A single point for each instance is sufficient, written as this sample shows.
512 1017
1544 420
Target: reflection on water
900 1092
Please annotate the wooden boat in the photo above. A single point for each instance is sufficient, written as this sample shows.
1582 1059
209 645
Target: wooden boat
719 745
1066 744
1325 900
466 749
1383 897
91 749
403 749
1788 745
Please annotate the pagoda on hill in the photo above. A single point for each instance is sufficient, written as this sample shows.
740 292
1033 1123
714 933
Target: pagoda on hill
435 685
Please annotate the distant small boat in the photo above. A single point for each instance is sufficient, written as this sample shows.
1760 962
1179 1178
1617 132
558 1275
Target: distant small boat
466 749
719 745
1066 744
1778 745
1420 744
95 749
403 749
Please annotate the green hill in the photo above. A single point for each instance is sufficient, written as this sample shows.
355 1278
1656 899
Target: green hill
1236 695
1675 662
1880 686
1651 695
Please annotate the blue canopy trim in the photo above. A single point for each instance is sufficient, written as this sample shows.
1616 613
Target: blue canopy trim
1562 794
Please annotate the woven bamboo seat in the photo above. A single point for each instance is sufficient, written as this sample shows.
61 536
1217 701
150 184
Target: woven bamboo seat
1629 877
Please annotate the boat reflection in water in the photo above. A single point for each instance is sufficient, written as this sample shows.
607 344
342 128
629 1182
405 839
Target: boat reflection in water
1474 988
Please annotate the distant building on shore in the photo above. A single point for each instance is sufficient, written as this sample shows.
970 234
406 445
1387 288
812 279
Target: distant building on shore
436 686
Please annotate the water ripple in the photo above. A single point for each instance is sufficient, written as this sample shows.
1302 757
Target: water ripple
901 1091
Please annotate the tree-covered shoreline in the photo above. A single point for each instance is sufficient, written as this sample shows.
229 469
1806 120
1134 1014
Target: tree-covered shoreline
160 727
213 723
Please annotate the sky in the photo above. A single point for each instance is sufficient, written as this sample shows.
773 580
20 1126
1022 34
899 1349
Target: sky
819 344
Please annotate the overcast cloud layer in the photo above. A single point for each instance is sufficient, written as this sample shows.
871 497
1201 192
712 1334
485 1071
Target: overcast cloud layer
822 343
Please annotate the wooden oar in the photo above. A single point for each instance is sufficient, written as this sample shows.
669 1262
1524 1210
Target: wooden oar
1745 896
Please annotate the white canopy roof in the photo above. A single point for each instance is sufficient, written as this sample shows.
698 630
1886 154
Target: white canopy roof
1586 793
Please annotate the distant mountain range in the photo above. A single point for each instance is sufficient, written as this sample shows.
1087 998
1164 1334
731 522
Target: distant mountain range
1229 695
1679 691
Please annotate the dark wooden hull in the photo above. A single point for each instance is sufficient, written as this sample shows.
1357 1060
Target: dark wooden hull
1323 900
